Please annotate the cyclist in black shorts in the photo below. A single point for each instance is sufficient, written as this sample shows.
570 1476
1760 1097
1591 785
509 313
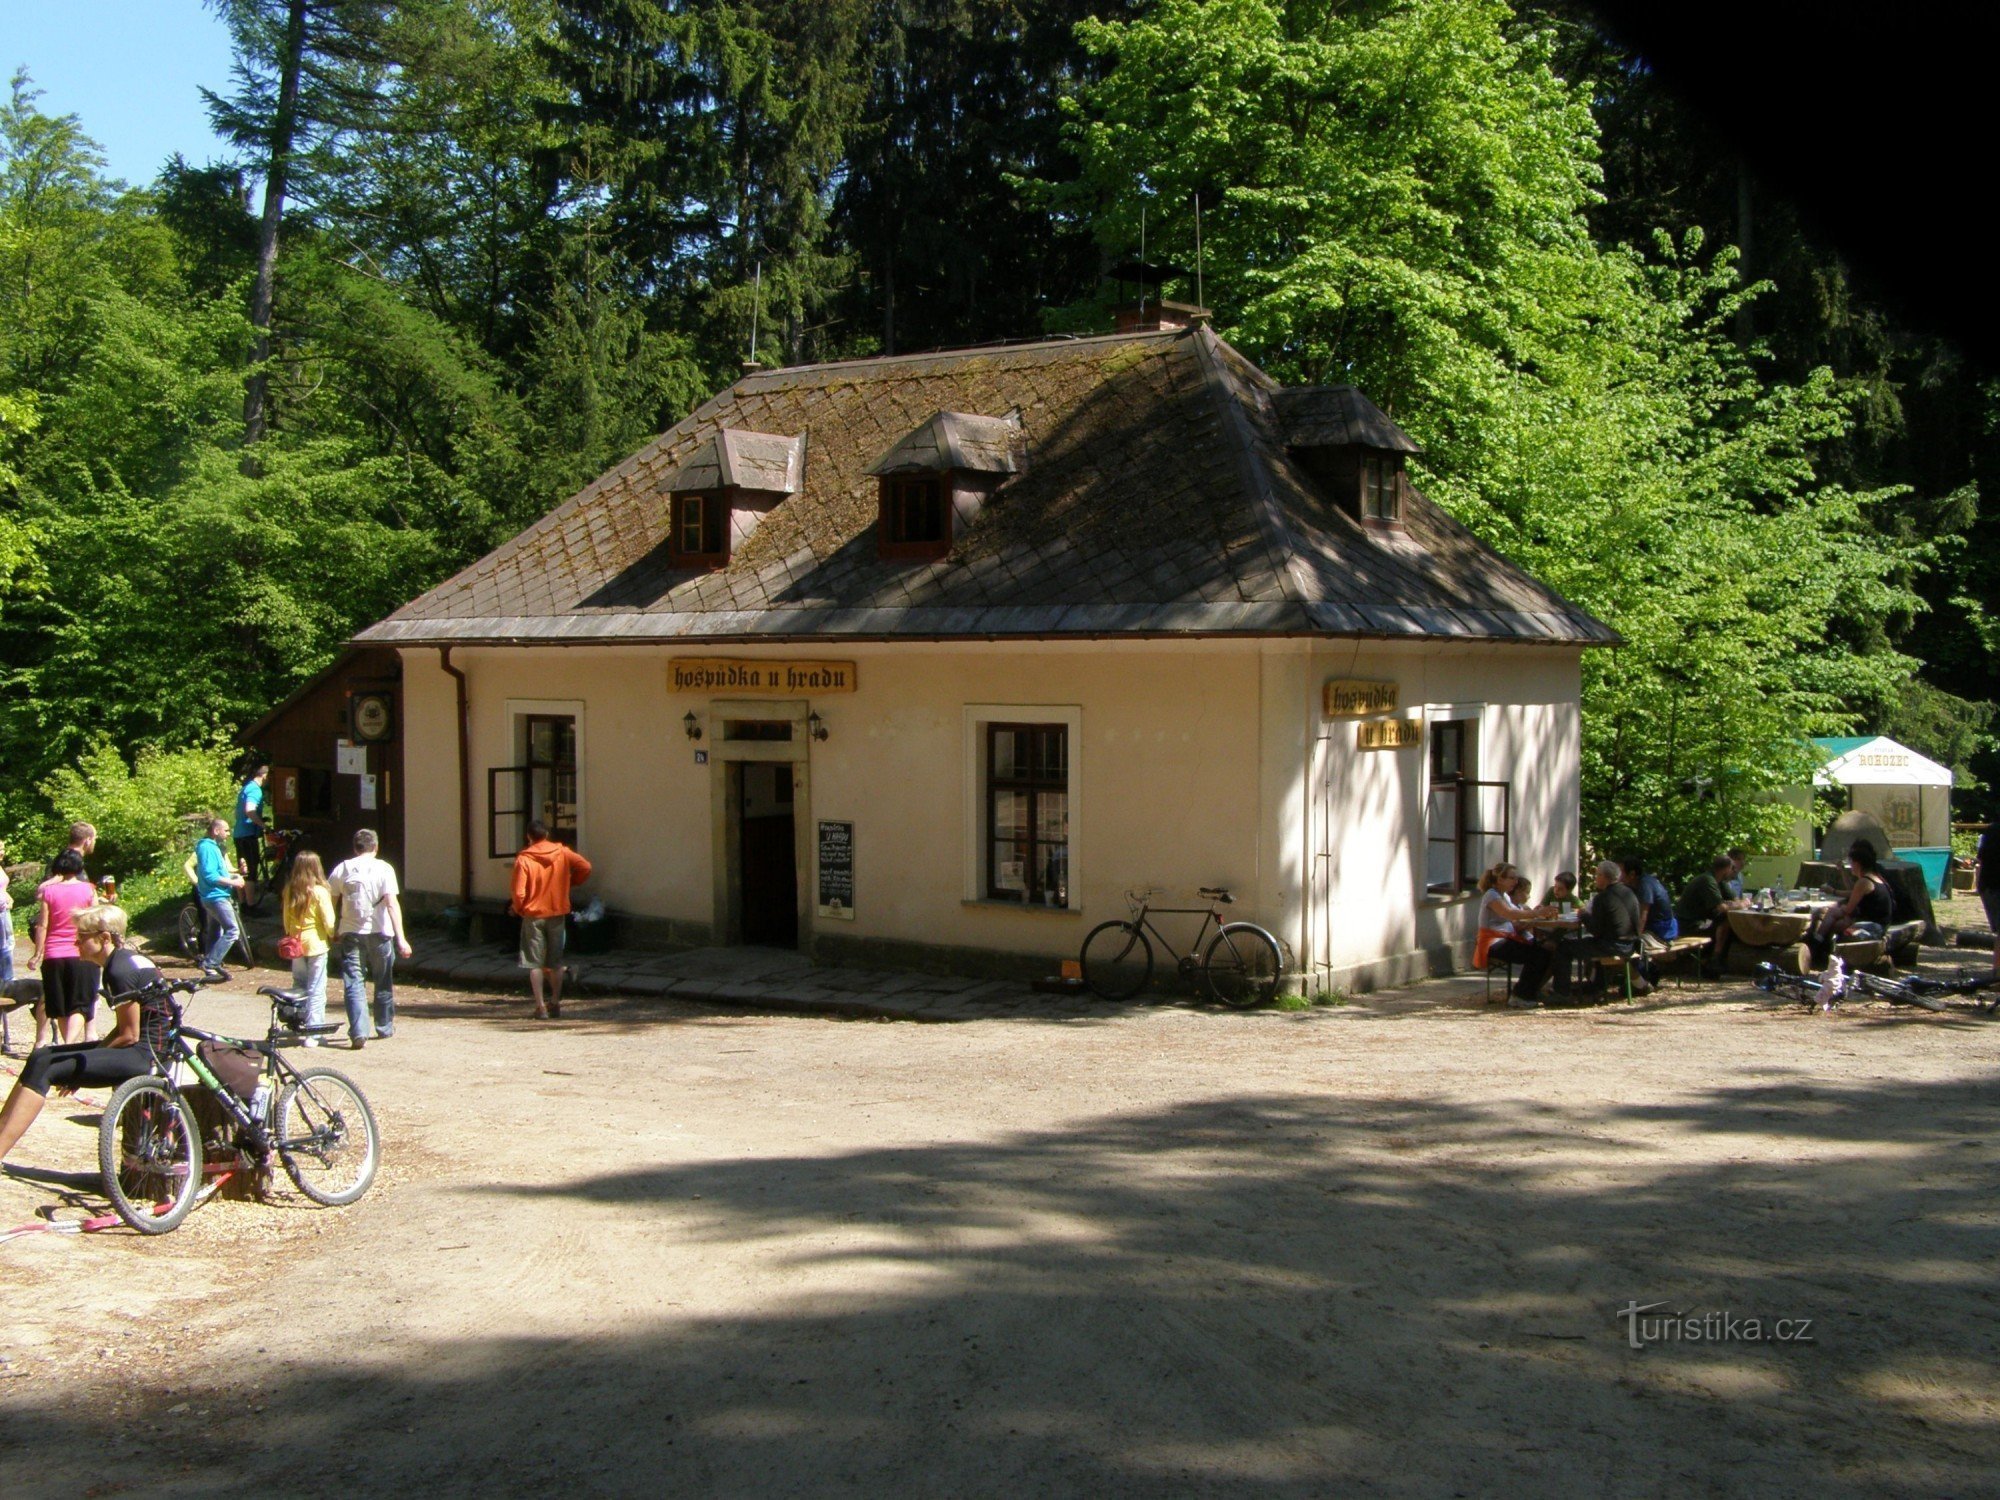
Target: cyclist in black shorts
144 1019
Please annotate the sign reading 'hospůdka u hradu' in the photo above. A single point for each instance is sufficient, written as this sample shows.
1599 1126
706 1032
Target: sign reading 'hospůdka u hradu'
712 674
1348 699
1388 734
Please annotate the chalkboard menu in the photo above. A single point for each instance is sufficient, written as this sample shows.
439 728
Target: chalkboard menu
836 870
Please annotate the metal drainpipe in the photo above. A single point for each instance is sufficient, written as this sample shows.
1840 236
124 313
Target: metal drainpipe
464 782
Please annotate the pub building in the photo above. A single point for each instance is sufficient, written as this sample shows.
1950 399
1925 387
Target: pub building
930 658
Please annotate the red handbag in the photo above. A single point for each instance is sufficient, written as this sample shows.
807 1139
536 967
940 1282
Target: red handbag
290 947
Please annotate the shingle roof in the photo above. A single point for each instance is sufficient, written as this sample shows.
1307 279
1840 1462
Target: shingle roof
1157 499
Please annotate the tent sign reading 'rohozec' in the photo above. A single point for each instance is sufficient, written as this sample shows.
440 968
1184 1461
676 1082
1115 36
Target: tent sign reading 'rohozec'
711 674
1348 699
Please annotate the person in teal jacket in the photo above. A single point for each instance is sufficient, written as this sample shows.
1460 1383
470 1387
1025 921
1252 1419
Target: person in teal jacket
216 882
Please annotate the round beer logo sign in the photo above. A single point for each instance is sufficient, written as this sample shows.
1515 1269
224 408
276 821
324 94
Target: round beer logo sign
371 717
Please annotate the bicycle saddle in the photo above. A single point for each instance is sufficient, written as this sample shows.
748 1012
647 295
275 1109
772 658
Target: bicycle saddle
322 1029
1217 893
282 996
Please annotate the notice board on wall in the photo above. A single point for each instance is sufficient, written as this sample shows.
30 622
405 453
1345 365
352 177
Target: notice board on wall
836 870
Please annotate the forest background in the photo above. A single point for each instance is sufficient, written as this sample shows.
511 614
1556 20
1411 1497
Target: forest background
470 253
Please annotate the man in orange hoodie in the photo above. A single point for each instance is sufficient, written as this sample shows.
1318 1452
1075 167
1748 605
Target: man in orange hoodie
543 874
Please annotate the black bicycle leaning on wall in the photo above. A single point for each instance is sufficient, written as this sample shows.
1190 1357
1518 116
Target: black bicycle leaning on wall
149 1143
1240 967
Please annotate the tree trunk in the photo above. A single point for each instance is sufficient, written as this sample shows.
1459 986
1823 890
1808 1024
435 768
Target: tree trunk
284 125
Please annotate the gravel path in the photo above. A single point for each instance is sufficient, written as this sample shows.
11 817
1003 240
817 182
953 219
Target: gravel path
656 1249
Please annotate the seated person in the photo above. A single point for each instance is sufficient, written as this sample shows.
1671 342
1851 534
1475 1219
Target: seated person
1659 906
1706 901
143 1020
1865 913
1733 886
1612 925
1500 941
1562 892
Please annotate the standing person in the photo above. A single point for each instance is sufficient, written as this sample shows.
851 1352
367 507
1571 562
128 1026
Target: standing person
543 874
371 937
309 918
68 995
144 1019
6 923
250 822
216 882
1986 881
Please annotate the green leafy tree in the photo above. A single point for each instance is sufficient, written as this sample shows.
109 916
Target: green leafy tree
1398 196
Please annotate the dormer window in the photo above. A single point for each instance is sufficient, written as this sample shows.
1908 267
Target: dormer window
934 481
916 515
722 487
1382 487
701 530
1349 446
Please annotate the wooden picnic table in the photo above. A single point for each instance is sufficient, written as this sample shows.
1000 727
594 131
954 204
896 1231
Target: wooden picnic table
1769 929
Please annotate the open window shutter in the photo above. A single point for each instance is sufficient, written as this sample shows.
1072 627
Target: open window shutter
506 809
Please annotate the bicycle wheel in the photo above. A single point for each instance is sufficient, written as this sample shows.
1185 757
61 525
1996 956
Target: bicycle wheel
1242 966
149 1150
1117 960
325 1135
189 930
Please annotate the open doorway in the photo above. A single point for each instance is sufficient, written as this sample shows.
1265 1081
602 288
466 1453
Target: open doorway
761 806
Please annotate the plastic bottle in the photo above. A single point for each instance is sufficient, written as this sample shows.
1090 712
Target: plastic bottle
260 1102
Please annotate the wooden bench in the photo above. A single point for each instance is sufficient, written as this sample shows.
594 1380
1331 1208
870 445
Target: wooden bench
1871 954
1682 957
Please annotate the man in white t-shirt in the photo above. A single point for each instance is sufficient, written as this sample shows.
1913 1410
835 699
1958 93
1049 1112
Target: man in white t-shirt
371 937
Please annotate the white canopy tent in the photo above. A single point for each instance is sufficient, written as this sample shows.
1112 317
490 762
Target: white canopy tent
1909 793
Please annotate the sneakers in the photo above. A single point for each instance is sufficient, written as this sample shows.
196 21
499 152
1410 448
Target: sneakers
1523 1002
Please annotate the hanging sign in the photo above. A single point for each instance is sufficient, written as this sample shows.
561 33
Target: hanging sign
1347 698
836 870
710 674
1388 734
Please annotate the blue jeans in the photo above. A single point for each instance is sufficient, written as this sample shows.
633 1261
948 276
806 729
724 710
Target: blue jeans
309 975
222 913
368 957
6 946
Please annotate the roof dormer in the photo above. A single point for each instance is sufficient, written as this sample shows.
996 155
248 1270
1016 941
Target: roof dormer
723 488
934 481
1350 446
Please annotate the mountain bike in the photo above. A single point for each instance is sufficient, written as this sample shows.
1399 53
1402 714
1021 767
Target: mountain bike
150 1146
1240 967
281 849
194 926
1916 989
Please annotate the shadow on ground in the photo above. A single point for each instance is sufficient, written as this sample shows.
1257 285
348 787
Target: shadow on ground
1290 1295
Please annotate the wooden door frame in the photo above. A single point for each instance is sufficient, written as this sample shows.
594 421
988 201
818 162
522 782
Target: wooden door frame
726 833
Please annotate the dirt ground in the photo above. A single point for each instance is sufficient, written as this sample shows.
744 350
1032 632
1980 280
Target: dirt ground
651 1249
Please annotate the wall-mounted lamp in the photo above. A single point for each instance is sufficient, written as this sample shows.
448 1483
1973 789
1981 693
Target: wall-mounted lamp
692 725
815 725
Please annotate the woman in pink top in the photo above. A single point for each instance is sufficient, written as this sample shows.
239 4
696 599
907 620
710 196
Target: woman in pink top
69 994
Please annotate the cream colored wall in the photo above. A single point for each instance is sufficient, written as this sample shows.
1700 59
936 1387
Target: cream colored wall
1367 828
1197 763
1166 787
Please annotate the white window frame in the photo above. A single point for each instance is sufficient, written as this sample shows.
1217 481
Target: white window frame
519 711
1474 715
977 717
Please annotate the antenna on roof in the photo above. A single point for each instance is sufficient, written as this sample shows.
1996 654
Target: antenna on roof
1142 258
1197 252
756 301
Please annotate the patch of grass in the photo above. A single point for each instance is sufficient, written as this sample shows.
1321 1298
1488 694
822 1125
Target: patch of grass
1313 1001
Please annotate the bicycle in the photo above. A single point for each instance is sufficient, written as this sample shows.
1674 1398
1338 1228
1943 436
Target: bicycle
1916 989
193 927
1803 989
1240 967
149 1144
281 848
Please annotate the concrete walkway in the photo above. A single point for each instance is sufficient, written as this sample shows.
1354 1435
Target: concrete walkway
759 978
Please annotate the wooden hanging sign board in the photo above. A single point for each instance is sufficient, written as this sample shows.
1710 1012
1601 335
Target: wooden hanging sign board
1388 734
1347 698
